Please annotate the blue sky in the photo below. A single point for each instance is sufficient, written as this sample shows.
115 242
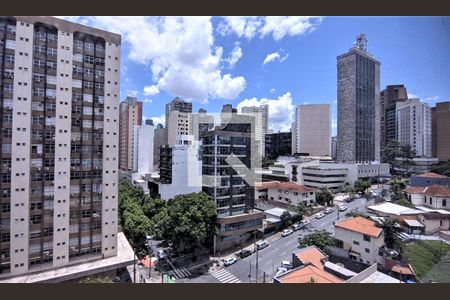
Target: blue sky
213 61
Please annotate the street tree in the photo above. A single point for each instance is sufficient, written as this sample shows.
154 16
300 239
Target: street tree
442 168
324 196
391 234
286 219
320 239
404 202
395 150
362 186
135 224
303 210
189 221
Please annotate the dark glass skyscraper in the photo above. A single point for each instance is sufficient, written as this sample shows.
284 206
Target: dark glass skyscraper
358 104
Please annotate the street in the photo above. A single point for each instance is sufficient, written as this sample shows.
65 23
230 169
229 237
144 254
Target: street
280 249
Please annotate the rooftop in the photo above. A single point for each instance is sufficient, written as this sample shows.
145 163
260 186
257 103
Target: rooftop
311 255
291 186
431 175
360 225
435 190
394 209
275 211
435 216
304 274
413 223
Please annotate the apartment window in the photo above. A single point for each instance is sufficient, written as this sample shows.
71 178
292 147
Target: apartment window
52 51
99 61
76 83
89 46
10 44
99 86
88 84
366 238
8 88
8 73
39 63
78 57
444 202
356 243
89 59
78 44
367 250
9 59
99 48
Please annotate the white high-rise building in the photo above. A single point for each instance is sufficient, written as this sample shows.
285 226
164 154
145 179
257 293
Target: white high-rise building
313 129
60 142
261 114
180 167
143 149
414 125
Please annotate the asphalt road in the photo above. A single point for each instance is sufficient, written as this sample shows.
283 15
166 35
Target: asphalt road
280 249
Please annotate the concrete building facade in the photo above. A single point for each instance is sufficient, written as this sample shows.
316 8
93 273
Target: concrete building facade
143 148
388 99
358 105
159 136
261 114
414 126
313 129
440 116
177 119
60 142
278 144
130 116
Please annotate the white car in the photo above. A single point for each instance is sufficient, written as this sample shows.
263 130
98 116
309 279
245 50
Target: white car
229 261
286 232
262 244
286 264
305 223
342 208
328 210
320 216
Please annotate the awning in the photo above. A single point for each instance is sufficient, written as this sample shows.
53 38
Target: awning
413 223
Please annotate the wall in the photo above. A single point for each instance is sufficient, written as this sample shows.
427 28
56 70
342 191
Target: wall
295 199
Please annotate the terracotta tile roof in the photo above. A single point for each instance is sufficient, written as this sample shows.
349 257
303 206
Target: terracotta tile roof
361 225
311 255
304 275
435 216
431 175
402 270
291 186
435 190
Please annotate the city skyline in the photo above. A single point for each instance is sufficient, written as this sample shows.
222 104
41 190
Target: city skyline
283 61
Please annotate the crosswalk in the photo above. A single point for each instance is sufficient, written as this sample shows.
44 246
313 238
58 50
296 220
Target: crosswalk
225 277
180 273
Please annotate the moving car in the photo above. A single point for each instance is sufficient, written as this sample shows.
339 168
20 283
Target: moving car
296 226
244 253
286 264
286 232
305 223
229 261
349 199
328 210
342 208
320 216
262 244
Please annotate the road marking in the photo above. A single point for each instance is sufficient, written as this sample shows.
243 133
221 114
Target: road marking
269 262
283 253
225 276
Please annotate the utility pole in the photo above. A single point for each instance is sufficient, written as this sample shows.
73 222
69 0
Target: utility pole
134 265
256 275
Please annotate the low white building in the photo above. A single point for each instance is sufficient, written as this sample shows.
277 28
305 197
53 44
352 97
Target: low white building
362 238
435 196
285 192
180 168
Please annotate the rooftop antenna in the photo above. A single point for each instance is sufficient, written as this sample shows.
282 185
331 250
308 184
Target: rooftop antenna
361 42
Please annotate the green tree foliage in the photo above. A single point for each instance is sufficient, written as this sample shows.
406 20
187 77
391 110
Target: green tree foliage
320 239
135 224
443 168
404 202
393 150
151 207
324 196
391 234
355 213
303 209
286 219
362 186
266 162
189 221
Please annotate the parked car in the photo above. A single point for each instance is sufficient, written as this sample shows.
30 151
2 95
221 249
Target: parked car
117 279
286 232
244 253
149 237
280 271
262 244
342 208
286 264
320 216
305 223
296 226
328 210
161 253
229 261
349 199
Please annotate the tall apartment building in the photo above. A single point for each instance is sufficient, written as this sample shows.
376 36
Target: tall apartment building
130 116
201 123
313 129
60 117
181 168
333 147
233 195
143 148
261 114
388 99
358 105
414 125
294 138
440 116
158 140
278 144
177 119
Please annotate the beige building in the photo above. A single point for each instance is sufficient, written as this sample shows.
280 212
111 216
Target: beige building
59 144
178 125
433 196
261 114
362 238
285 192
434 222
130 116
313 129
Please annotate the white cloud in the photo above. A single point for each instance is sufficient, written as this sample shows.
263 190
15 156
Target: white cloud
180 53
281 110
132 93
272 91
235 55
432 98
412 96
147 100
271 57
277 26
159 120
151 90
334 123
